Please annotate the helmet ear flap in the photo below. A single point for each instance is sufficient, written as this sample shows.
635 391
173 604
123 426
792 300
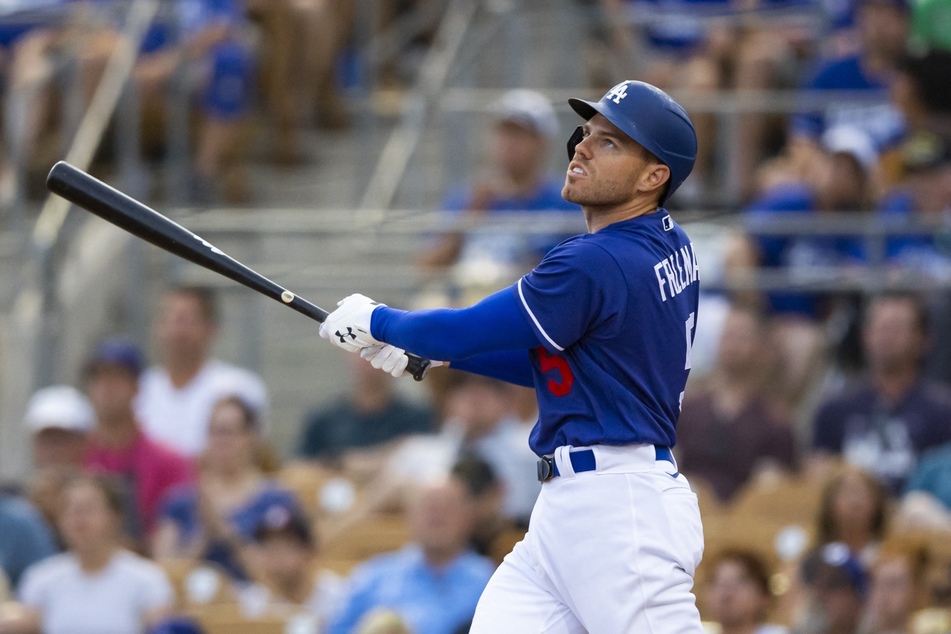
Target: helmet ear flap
573 141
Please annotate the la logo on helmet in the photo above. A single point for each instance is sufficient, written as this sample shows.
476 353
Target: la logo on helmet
617 93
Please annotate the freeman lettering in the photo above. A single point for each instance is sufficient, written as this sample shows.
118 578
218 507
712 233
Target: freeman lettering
676 272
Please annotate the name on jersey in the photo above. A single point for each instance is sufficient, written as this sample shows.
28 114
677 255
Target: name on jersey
676 272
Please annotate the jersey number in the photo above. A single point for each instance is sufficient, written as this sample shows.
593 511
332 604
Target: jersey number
553 362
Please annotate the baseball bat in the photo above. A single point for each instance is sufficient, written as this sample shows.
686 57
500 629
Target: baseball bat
125 212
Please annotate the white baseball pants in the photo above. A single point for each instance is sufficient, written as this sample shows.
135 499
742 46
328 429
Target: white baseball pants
611 551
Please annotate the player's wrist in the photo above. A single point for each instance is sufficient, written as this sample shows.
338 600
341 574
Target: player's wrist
381 320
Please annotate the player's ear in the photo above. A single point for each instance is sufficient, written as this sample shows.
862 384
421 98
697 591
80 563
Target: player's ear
654 177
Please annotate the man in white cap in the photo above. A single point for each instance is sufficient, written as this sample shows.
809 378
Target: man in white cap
59 418
515 180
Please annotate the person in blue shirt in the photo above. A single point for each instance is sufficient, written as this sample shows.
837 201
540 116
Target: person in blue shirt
602 329
433 583
869 73
215 518
515 180
24 537
206 35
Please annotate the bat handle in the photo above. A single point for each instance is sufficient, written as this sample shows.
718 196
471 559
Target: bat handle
417 366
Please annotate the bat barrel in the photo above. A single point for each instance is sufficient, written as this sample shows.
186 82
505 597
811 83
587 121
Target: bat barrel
125 212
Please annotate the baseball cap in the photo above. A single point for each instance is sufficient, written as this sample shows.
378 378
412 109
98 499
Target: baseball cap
117 352
59 407
834 565
529 109
847 139
283 519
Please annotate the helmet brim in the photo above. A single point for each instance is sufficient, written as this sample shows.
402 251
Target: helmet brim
586 109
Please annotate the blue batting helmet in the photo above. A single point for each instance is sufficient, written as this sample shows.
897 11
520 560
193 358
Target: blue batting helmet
649 116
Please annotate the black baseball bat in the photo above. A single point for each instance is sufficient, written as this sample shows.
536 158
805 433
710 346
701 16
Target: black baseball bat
125 212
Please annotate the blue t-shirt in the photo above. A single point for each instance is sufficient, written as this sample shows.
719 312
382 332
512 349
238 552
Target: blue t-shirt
507 247
933 475
614 312
430 600
188 18
25 537
872 113
798 254
181 507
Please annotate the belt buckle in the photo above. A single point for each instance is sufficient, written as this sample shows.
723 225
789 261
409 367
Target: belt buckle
546 468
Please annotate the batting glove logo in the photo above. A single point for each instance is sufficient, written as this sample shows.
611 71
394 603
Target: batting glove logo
343 337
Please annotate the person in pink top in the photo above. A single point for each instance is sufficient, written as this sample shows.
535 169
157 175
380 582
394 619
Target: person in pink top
117 444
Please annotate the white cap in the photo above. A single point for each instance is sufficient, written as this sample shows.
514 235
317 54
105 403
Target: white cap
59 407
851 140
530 109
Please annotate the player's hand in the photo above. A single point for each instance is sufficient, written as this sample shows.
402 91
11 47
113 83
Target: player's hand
348 327
383 356
391 359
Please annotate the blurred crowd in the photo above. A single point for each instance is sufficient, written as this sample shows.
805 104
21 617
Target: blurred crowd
156 503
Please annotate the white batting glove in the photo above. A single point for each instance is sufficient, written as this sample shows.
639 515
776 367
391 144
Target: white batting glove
348 327
385 357
390 359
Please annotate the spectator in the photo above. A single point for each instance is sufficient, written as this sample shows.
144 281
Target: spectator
59 419
883 29
214 519
25 538
738 595
480 421
176 398
708 46
117 445
854 511
96 586
205 36
371 414
486 493
840 179
927 500
728 429
284 559
516 181
897 588
836 588
919 90
434 583
888 418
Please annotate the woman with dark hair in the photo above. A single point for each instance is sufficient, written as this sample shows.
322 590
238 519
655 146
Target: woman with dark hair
738 595
96 586
854 511
214 519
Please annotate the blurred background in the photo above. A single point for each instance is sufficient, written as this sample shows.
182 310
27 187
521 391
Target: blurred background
405 149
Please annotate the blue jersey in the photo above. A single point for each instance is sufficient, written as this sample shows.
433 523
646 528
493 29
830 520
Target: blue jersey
614 312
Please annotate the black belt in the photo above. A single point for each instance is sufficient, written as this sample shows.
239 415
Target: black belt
583 460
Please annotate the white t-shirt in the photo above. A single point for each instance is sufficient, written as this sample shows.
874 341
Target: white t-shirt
179 417
113 601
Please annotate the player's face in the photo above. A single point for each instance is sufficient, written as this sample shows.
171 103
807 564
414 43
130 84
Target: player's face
609 169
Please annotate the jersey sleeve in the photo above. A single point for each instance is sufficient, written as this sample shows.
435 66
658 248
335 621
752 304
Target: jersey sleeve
511 366
449 334
565 296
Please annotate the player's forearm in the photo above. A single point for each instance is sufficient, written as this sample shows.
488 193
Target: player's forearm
511 366
446 334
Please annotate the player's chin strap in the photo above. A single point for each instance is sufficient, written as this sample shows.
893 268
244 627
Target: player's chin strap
574 140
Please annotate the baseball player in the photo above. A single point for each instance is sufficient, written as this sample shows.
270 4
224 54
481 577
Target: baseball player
602 329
